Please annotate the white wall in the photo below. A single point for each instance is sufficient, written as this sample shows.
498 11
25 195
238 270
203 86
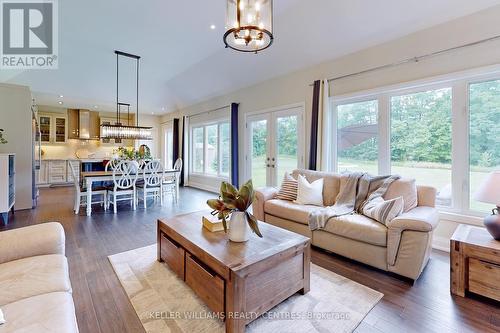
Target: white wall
295 87
15 119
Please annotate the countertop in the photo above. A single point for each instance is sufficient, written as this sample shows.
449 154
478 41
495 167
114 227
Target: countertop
82 160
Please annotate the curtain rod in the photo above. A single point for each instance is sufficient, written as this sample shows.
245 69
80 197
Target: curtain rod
213 110
197 114
414 59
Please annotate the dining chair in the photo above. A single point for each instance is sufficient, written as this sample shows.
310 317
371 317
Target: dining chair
81 193
111 165
152 186
171 180
124 179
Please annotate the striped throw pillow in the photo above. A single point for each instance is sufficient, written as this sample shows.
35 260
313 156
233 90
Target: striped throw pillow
288 190
383 211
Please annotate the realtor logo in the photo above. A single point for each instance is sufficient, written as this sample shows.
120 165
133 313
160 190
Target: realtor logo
29 34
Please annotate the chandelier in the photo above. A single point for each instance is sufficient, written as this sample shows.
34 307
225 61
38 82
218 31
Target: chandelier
118 131
249 25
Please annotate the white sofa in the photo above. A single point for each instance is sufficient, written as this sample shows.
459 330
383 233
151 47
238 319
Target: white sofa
35 289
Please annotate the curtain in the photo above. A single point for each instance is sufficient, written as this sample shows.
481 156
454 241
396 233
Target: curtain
184 150
234 145
175 142
319 149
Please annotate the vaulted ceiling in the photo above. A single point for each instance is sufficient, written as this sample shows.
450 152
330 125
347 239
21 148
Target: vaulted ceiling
184 61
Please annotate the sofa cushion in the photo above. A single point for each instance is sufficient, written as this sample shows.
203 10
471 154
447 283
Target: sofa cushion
406 188
289 188
358 227
310 193
331 183
53 312
289 210
33 276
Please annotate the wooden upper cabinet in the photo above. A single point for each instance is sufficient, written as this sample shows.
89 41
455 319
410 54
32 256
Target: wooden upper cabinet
73 124
95 126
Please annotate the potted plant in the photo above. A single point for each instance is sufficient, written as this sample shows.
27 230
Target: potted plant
235 203
2 139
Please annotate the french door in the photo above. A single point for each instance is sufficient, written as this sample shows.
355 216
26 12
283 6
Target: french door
275 144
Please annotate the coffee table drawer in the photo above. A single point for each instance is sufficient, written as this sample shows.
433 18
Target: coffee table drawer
172 254
205 283
483 278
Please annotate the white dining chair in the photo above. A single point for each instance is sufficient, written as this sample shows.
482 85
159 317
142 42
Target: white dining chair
152 186
124 180
81 193
171 180
111 165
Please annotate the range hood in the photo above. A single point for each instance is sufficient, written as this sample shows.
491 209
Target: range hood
83 124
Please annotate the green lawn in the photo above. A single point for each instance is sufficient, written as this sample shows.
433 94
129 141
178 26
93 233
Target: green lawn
438 176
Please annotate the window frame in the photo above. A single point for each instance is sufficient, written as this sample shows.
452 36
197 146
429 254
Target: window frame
204 125
460 155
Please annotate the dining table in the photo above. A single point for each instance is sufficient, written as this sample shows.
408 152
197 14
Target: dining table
91 177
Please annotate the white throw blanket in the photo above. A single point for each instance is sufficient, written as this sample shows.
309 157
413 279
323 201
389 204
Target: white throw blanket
360 188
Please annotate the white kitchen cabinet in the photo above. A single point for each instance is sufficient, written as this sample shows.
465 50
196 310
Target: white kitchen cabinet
53 128
43 173
57 171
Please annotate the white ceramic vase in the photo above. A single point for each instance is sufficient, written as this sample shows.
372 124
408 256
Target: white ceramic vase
239 230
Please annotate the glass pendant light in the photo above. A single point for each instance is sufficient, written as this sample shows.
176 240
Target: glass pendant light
249 25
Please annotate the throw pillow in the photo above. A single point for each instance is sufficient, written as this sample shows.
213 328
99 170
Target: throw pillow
289 187
383 211
310 193
406 188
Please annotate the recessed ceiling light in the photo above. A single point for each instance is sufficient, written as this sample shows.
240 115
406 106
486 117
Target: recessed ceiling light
61 96
212 27
60 103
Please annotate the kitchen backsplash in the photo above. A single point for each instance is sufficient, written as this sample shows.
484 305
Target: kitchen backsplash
70 149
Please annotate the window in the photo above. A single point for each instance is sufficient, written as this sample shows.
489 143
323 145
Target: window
421 139
443 132
211 149
357 137
198 145
169 148
225 149
484 135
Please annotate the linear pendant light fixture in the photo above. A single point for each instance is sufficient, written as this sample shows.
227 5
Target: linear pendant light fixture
118 131
249 25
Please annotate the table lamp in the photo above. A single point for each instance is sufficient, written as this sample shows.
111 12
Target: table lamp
489 192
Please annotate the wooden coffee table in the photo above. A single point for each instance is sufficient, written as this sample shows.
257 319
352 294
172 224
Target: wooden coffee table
239 280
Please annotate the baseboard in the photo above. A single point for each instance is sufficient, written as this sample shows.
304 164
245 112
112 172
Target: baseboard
441 243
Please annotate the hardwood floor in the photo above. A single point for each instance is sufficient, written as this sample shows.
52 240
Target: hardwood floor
102 305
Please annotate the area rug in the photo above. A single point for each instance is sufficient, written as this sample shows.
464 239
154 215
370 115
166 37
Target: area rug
164 303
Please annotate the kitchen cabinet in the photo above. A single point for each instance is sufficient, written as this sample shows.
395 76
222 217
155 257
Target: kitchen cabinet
45 128
73 124
57 172
53 128
43 173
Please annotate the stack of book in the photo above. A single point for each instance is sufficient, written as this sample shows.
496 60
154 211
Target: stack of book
212 223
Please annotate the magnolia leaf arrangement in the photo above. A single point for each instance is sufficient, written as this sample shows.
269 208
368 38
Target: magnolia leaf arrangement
2 140
233 200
